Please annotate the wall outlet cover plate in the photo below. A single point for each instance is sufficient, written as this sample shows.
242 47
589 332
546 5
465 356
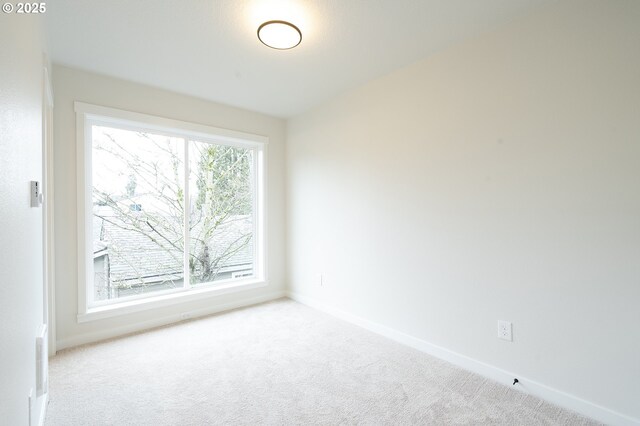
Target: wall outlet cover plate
505 331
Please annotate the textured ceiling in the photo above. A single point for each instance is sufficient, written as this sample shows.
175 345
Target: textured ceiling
209 48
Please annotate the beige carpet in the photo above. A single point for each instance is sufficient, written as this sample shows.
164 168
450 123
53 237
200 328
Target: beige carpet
277 363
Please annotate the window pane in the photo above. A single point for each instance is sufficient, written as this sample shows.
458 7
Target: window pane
138 211
221 224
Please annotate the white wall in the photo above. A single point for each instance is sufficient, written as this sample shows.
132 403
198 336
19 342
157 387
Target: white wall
74 85
21 288
499 179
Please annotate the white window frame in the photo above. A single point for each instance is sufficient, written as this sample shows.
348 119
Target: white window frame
88 115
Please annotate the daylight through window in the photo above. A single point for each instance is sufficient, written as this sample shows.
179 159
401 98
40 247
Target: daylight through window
171 211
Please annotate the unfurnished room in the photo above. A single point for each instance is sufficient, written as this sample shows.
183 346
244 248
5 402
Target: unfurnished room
320 212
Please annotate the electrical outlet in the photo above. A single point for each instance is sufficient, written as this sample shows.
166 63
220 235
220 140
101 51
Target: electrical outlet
505 331
185 316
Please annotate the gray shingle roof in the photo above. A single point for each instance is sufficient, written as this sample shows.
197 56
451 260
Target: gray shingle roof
134 256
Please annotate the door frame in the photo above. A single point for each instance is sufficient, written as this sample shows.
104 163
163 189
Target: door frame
49 317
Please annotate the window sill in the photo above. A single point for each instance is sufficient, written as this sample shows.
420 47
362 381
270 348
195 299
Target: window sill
155 302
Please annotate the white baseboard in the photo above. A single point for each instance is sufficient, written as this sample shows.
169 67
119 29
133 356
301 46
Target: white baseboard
164 320
532 387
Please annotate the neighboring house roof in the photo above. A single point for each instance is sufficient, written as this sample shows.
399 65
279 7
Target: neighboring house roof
99 249
134 258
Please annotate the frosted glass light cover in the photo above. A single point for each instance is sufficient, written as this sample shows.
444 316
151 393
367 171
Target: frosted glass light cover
279 35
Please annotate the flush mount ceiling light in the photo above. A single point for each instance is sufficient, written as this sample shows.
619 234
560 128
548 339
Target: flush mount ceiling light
281 35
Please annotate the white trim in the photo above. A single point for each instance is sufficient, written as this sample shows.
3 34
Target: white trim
82 209
166 125
558 397
154 302
43 409
48 87
48 210
158 321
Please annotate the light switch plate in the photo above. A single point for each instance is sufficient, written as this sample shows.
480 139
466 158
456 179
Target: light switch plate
36 194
